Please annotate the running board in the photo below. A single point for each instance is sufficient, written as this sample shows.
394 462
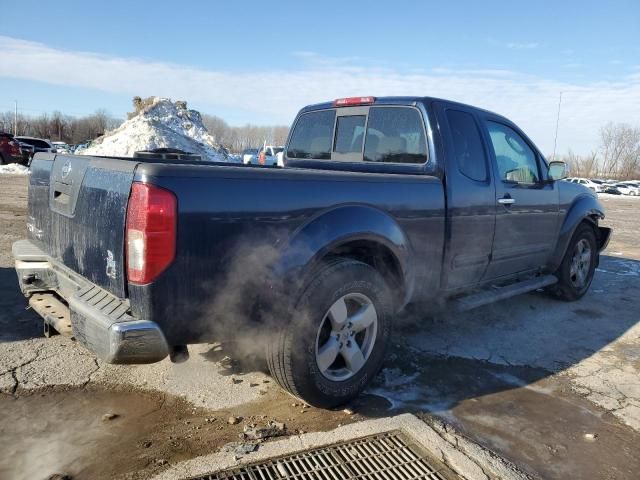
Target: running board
501 293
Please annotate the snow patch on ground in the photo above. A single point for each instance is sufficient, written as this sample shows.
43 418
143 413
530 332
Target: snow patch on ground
14 169
161 124
610 196
623 267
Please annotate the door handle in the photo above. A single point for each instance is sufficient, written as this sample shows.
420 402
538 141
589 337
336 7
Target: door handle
506 201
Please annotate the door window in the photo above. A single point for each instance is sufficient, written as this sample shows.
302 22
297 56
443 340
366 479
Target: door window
515 159
467 145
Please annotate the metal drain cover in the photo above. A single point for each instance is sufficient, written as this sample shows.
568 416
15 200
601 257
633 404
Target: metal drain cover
388 456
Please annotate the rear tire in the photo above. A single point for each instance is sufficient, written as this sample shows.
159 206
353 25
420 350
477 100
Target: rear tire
578 266
1 159
336 339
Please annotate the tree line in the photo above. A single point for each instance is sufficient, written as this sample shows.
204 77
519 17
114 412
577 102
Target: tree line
617 156
236 139
60 127
73 130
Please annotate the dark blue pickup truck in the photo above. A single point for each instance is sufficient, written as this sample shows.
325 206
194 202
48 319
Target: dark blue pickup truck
383 202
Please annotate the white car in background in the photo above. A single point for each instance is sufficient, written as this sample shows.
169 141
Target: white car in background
248 155
61 147
625 189
596 187
600 183
634 186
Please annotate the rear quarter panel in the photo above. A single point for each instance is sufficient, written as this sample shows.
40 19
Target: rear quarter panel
240 226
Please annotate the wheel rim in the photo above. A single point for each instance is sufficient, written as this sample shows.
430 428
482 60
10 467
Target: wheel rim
346 337
580 264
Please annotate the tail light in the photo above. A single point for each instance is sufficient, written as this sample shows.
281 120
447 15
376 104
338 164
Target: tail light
150 233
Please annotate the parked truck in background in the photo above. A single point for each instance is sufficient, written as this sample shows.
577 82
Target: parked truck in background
266 155
383 202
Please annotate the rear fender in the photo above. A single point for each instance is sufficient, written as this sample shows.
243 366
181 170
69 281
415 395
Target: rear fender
330 229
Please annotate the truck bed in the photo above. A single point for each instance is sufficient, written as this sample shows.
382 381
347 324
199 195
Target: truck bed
239 230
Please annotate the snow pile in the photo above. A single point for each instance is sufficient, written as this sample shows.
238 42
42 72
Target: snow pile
14 169
159 123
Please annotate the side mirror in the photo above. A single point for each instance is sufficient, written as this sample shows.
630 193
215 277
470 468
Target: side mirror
557 170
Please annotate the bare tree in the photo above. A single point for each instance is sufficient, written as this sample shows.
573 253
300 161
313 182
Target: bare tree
620 147
589 164
60 127
248 136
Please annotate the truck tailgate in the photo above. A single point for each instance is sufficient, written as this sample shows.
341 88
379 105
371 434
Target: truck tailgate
77 214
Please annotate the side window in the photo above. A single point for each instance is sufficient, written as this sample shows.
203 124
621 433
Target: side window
312 135
349 134
396 135
516 160
467 145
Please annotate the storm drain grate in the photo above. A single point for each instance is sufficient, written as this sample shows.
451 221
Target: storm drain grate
387 456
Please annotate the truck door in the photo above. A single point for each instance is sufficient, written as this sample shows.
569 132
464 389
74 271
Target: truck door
470 194
526 205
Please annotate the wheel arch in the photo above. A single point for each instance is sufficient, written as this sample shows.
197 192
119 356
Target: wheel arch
585 209
358 232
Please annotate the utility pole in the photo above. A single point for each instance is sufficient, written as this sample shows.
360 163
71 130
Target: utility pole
555 140
15 119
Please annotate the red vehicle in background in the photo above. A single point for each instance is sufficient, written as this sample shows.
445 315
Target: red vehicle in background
10 151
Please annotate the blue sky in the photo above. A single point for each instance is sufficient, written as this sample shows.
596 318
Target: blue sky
259 62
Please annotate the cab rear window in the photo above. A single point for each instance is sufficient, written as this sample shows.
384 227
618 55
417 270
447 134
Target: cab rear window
349 134
385 134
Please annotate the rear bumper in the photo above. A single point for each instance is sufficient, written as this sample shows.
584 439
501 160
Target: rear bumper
99 320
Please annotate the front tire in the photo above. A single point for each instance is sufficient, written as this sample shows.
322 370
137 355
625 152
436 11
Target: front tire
336 340
578 266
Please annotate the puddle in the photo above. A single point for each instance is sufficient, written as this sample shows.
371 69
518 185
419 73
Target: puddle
519 412
64 432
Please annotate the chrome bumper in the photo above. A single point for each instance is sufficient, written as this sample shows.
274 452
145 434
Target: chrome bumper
99 320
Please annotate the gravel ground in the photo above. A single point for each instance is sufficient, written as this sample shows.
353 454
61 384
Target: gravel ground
553 387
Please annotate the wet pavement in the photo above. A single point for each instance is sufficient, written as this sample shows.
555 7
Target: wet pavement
521 413
97 434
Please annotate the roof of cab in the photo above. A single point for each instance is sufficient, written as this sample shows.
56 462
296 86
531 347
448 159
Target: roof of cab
406 100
